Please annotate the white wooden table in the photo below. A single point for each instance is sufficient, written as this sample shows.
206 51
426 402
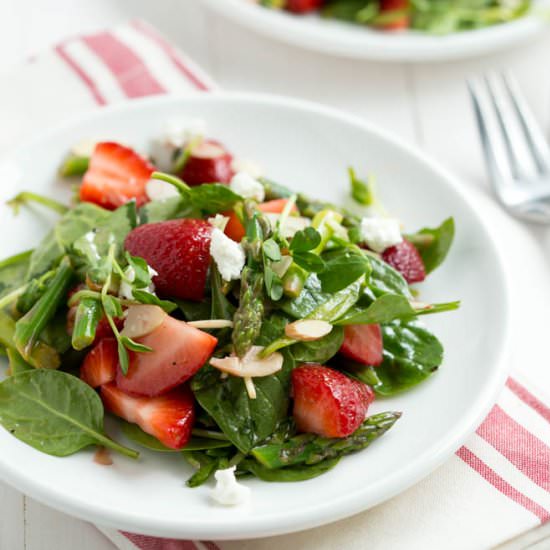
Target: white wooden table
424 104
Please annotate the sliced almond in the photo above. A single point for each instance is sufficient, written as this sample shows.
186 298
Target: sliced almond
211 323
250 365
142 320
250 388
307 330
281 267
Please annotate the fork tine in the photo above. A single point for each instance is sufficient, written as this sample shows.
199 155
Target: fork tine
497 167
533 134
515 147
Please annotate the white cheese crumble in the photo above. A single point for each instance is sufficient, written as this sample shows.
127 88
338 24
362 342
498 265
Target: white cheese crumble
228 491
228 255
176 133
247 187
158 190
125 288
243 165
291 226
380 233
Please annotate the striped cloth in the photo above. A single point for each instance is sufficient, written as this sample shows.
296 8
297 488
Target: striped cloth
496 487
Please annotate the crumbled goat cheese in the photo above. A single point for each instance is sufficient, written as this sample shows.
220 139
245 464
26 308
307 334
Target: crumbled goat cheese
380 233
228 491
292 224
228 255
251 168
246 186
158 190
176 133
219 221
125 288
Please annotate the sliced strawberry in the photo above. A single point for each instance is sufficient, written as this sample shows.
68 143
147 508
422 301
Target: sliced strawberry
303 6
116 174
169 417
209 162
404 257
234 228
400 23
179 351
363 343
179 251
328 403
99 366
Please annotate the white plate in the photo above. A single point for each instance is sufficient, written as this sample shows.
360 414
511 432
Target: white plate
348 40
308 148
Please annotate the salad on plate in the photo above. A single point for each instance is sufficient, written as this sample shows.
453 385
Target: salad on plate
215 313
432 16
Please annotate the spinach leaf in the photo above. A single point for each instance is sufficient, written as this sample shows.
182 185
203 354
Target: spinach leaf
75 223
434 244
144 297
305 240
13 270
411 354
245 421
137 435
90 249
166 209
290 473
313 303
342 268
319 351
211 198
383 278
54 412
206 465
195 311
390 307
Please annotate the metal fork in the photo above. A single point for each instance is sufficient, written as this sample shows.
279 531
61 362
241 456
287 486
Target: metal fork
516 152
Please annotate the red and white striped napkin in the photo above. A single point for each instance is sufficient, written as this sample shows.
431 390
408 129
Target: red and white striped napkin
495 488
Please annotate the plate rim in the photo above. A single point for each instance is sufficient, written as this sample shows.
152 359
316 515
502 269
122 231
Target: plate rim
454 46
344 506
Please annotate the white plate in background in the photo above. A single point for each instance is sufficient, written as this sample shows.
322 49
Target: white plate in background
349 40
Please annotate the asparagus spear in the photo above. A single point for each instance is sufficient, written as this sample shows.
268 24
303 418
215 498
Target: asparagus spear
247 320
311 448
29 327
88 314
74 165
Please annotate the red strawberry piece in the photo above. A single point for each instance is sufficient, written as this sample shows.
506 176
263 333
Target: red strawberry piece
116 174
303 6
405 258
179 251
328 403
363 343
169 417
234 228
399 23
99 366
179 351
209 162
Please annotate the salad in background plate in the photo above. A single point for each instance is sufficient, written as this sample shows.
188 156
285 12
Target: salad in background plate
431 16
217 313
